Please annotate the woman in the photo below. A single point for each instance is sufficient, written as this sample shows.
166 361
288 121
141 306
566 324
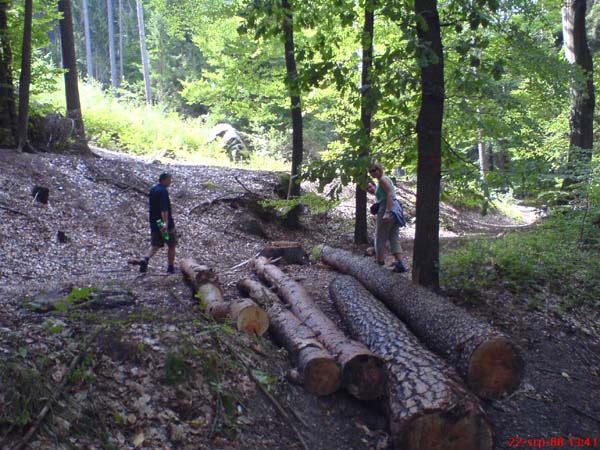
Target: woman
389 218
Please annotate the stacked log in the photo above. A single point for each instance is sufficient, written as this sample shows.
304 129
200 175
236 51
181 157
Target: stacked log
363 373
428 407
247 315
489 361
319 372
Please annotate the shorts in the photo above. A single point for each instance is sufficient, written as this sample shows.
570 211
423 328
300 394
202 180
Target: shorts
157 239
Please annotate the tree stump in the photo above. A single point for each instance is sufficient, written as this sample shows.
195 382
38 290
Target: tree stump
41 194
290 252
320 374
363 373
428 407
489 361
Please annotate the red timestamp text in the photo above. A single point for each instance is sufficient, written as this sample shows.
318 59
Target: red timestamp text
556 442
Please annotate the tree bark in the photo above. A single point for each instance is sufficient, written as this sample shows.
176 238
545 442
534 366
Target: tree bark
429 143
25 80
114 79
247 316
143 51
428 406
8 110
582 94
490 363
320 373
71 78
293 85
88 41
363 373
367 101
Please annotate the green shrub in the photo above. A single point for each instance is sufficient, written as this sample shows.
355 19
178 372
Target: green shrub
553 256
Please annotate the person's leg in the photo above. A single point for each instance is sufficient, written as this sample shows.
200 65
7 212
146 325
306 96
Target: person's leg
156 242
396 248
172 243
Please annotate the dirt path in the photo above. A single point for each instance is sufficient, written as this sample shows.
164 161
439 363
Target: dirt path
162 376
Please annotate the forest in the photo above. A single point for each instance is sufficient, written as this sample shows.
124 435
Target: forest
271 116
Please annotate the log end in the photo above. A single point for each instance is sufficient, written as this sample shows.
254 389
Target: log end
496 369
322 376
252 319
364 376
455 429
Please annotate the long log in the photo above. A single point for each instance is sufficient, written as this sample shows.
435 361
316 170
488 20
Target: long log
363 373
319 371
428 406
246 314
490 363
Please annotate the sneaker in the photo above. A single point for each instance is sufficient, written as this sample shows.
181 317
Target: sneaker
399 267
171 269
143 265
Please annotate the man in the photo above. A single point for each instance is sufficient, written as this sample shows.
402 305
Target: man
160 209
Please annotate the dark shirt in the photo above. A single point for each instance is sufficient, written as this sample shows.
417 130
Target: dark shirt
159 201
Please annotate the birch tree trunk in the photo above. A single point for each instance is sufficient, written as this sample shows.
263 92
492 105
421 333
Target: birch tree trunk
143 51
114 80
88 40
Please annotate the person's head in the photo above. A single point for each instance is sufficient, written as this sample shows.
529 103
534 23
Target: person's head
376 170
165 179
371 187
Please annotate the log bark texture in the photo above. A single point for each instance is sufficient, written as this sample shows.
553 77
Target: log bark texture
246 315
363 373
489 361
320 374
428 406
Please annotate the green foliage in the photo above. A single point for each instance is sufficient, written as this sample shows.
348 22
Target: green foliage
316 204
553 258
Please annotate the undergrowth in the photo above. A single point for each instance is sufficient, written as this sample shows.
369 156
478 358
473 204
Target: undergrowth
559 257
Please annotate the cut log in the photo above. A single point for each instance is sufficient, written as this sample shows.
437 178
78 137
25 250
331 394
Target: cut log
427 404
489 361
249 317
289 251
363 373
320 374
246 315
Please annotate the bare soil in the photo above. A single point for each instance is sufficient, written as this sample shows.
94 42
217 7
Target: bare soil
160 375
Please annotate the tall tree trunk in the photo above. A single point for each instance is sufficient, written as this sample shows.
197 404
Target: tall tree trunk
88 40
8 110
293 217
25 80
582 95
121 70
114 80
366 114
143 51
71 78
429 138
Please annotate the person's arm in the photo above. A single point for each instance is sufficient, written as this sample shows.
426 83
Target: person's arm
389 200
164 209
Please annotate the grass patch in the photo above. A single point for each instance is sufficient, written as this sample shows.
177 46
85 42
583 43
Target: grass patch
558 256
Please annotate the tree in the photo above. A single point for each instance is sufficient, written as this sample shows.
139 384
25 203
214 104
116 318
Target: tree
25 80
71 78
429 144
143 51
582 90
366 113
88 40
114 79
8 113
293 86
